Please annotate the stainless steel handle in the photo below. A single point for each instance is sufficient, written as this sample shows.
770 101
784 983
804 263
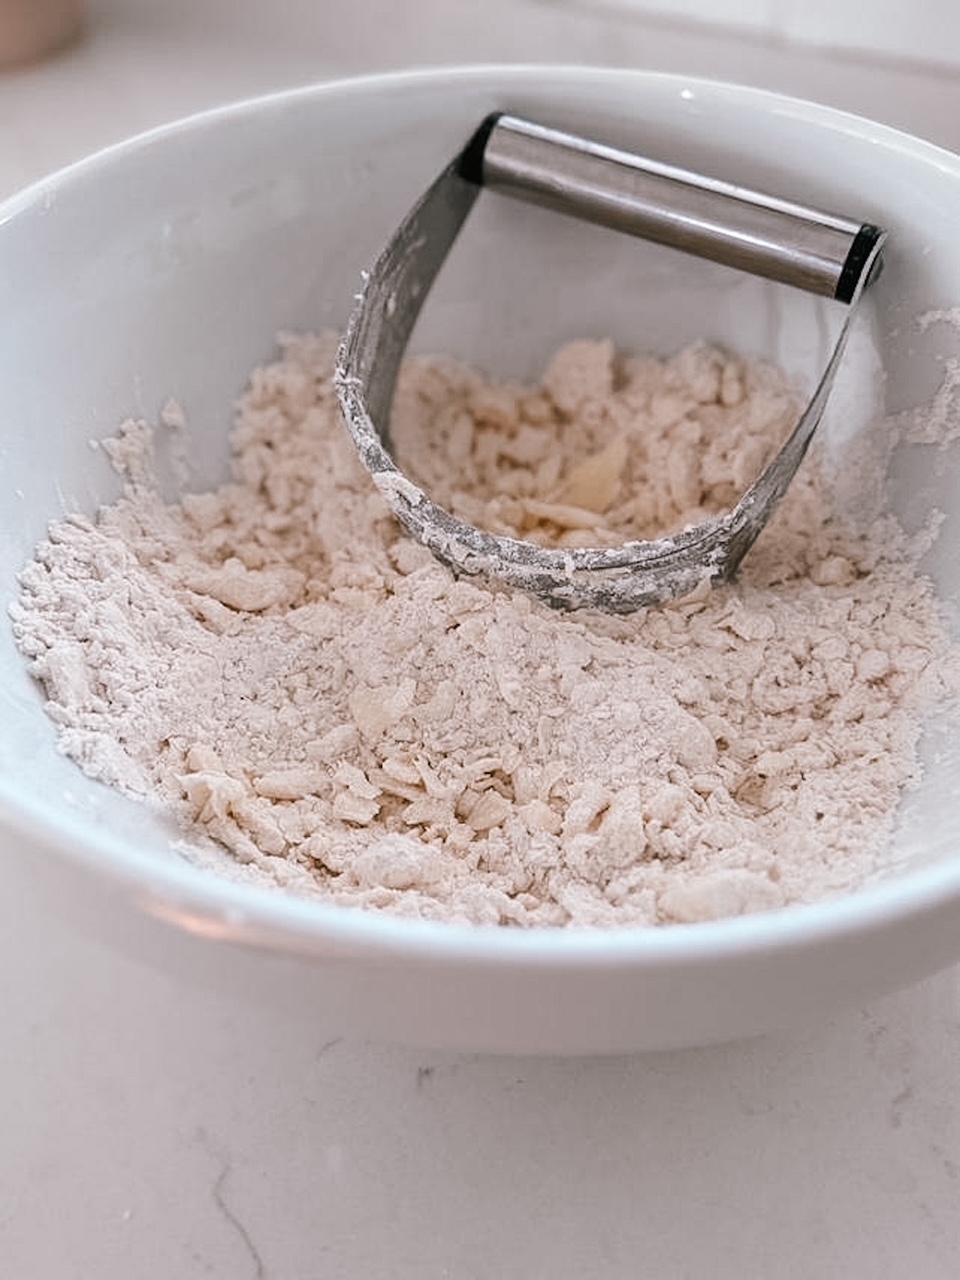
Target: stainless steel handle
761 234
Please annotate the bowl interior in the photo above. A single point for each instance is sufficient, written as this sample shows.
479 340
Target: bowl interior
165 268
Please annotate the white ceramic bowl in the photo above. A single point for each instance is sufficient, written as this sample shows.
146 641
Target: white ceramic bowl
164 267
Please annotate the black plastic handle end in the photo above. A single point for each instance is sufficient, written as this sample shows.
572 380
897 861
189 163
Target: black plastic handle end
470 162
864 244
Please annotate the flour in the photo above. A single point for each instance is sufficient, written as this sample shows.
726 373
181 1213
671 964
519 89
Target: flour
607 449
327 709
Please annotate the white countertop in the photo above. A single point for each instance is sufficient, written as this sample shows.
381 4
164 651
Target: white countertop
152 1131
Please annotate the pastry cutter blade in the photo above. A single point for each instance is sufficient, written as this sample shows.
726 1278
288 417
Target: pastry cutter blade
818 252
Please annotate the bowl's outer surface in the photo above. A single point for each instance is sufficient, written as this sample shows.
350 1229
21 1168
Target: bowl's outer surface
165 267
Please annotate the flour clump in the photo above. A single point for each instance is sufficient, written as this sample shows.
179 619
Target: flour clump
329 710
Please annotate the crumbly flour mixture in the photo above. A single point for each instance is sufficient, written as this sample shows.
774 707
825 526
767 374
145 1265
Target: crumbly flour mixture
309 690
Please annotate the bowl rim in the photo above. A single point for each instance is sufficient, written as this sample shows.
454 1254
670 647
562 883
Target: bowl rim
209 905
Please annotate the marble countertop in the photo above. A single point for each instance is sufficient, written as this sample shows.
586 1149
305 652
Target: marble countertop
150 1130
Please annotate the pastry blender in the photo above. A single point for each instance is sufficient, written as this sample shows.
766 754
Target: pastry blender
766 236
